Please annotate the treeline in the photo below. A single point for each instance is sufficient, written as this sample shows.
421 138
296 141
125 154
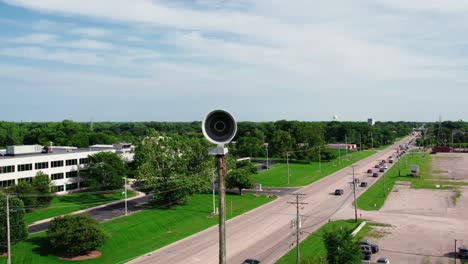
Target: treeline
445 133
282 136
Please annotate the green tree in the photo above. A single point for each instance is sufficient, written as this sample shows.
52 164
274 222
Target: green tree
281 143
75 234
104 171
18 228
42 185
166 164
341 246
27 193
240 179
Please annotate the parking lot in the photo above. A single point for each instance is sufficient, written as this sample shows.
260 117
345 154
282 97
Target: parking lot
421 225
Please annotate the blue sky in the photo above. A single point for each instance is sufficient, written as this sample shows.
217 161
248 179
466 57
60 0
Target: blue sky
174 60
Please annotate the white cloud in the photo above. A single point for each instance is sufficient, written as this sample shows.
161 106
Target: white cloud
90 32
64 56
51 40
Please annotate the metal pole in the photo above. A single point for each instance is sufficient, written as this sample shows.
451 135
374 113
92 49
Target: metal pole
360 142
287 163
354 194
222 209
372 139
213 190
8 227
267 155
399 170
346 145
320 161
126 206
298 254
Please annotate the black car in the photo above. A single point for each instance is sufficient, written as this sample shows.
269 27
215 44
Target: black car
366 255
381 170
376 166
369 171
339 191
374 247
375 174
363 184
251 261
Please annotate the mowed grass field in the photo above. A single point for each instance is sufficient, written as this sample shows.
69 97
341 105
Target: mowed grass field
305 174
375 196
312 249
143 232
65 204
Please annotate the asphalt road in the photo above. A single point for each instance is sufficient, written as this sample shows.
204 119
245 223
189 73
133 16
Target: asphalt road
104 213
265 233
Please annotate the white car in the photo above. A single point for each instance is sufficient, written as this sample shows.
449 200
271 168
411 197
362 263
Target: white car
383 260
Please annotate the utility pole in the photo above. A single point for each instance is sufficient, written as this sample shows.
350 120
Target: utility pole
372 139
298 224
8 227
346 145
354 194
267 155
222 208
399 170
287 163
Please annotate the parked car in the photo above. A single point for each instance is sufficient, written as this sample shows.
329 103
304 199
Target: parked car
375 174
366 255
374 247
366 249
363 184
383 260
251 261
369 171
339 191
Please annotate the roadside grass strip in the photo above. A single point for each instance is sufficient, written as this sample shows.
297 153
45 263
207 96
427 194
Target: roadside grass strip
65 204
143 232
305 174
313 250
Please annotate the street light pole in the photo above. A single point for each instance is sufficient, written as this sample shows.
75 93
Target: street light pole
267 155
320 161
354 194
287 164
455 253
125 190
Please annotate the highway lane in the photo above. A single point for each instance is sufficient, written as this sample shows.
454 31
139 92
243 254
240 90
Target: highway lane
265 233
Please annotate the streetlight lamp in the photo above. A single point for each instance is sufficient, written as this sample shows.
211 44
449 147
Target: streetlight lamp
266 147
354 194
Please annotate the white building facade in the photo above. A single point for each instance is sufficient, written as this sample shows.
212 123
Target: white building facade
61 164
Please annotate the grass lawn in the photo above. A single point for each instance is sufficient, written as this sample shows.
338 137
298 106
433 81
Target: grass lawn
305 174
69 203
313 248
143 232
374 198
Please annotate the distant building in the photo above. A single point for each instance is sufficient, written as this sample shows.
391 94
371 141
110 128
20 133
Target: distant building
370 121
343 146
61 164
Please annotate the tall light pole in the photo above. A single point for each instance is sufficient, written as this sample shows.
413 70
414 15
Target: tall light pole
354 194
125 193
346 145
266 147
320 160
287 164
8 227
360 142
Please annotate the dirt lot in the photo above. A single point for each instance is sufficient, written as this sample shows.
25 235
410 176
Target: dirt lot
451 165
424 223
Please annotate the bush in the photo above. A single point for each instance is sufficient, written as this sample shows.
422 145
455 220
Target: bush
75 234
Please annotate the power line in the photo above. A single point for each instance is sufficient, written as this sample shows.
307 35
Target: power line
298 223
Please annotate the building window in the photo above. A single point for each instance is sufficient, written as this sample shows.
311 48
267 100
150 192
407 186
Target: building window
28 179
58 188
7 169
72 186
84 161
41 165
72 174
25 167
7 183
71 162
57 163
56 176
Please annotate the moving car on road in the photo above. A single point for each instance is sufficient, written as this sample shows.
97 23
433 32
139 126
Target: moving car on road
383 260
363 184
369 171
375 174
251 261
339 191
